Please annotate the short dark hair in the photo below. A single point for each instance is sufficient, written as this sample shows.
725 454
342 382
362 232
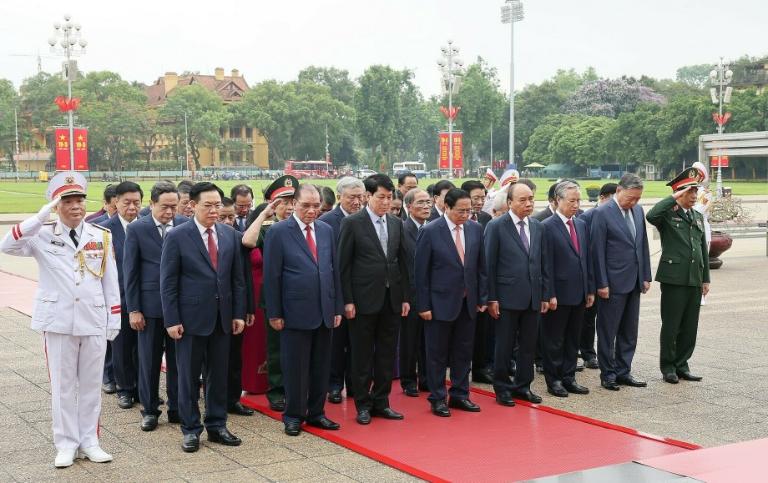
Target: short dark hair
472 184
453 195
441 186
528 182
128 187
227 202
551 192
328 196
185 186
375 181
608 189
109 193
202 187
161 188
407 174
429 189
397 195
240 190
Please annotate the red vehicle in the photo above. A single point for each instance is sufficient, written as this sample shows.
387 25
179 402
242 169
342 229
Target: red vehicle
309 169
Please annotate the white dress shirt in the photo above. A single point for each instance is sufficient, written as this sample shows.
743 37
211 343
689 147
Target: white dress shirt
204 235
452 228
516 220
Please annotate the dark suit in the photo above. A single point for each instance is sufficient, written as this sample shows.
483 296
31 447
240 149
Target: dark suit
124 348
141 265
98 217
434 214
378 286
571 281
519 281
587 336
235 372
482 353
204 300
621 263
452 291
109 373
543 214
245 221
306 294
341 353
412 348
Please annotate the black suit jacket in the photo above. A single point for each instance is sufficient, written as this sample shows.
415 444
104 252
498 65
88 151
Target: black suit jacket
411 231
434 214
333 219
543 214
365 271
483 218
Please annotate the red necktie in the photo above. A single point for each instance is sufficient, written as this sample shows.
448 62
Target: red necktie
574 238
212 250
311 242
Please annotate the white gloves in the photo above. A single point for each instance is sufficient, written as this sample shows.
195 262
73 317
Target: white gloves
112 333
45 211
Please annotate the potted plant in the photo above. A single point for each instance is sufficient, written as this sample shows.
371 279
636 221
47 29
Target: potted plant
593 192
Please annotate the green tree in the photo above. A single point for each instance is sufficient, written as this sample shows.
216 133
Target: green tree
681 122
537 150
337 80
633 139
9 101
378 109
696 75
37 107
583 142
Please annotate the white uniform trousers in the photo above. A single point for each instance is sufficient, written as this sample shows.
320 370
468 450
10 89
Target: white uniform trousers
75 366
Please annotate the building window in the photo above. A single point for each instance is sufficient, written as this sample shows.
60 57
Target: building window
249 134
235 132
249 156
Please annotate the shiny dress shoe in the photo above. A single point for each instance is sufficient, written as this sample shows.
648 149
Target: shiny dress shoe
239 409
464 405
65 457
579 366
323 423
334 396
591 364
688 376
411 391
95 454
109 388
482 377
439 408
575 388
173 417
610 385
190 443
557 389
124 401
292 428
149 422
505 399
529 396
223 436
630 380
278 405
363 416
671 378
387 413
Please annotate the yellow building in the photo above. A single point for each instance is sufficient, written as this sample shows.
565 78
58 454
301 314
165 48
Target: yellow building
248 146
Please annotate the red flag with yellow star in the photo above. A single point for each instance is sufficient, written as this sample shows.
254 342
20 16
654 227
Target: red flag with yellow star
80 146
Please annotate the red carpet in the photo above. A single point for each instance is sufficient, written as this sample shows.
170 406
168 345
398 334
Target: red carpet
497 444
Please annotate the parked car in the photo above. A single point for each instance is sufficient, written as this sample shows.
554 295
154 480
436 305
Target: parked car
364 173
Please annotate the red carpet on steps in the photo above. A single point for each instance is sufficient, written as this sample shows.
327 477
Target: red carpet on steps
496 444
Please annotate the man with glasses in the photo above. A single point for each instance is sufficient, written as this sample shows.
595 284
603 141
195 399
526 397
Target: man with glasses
242 197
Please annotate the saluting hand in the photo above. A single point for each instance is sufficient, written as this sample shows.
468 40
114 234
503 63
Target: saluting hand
176 331
237 326
277 324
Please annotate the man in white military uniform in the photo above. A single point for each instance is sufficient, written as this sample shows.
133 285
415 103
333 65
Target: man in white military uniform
77 309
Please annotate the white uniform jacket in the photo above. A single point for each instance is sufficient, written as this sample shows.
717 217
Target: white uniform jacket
71 298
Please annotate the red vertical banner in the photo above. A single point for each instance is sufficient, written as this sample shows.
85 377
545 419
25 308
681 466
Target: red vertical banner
80 148
718 162
443 150
458 150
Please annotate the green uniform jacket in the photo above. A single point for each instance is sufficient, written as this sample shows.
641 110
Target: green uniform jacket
684 256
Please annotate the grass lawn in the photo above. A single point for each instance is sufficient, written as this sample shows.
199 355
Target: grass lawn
28 197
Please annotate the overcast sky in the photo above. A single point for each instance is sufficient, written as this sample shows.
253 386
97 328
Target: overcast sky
267 39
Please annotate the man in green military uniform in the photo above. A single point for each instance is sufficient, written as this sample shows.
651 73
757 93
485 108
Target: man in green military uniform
283 189
683 273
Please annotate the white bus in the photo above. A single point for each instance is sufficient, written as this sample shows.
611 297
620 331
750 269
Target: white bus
415 167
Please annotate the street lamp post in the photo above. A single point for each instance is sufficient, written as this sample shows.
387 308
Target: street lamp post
452 69
720 92
512 12
67 36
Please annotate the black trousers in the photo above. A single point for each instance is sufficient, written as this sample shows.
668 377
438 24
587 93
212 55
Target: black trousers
481 349
374 339
515 327
560 331
341 359
412 351
449 344
191 352
587 337
125 358
235 370
152 341
305 358
109 373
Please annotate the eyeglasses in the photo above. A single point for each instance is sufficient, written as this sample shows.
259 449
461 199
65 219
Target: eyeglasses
209 207
478 198
423 203
242 207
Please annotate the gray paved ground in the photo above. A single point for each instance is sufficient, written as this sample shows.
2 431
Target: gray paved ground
730 405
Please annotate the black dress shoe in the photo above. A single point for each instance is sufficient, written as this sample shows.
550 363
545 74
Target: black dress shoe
411 391
239 409
529 396
505 399
579 366
630 380
464 405
292 428
277 405
423 387
482 377
323 423
190 443
124 401
173 417
363 416
575 388
109 388
610 385
223 436
688 376
334 396
387 413
557 389
149 422
439 408
591 364
671 378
